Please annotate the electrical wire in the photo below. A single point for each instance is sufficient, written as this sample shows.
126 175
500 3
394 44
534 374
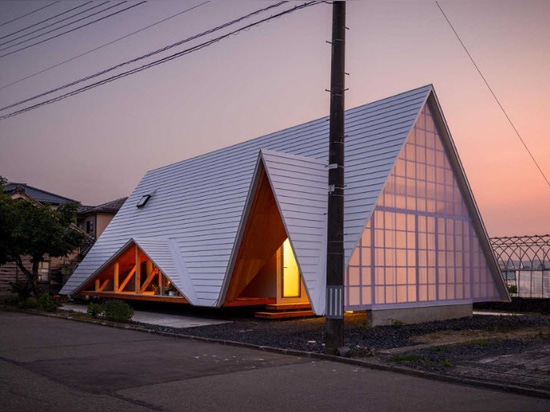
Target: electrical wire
158 62
61 27
55 24
135 60
104 45
495 97
40 22
76 28
29 13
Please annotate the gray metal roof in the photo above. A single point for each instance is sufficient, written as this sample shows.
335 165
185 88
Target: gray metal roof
197 204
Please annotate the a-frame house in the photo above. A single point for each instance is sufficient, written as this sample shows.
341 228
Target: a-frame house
246 225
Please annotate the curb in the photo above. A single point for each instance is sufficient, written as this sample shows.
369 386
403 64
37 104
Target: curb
363 362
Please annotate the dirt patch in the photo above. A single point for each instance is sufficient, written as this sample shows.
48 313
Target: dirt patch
448 337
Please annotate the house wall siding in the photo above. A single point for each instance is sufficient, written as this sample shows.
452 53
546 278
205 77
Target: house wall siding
8 273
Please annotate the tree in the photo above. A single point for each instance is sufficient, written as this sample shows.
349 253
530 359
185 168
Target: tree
35 231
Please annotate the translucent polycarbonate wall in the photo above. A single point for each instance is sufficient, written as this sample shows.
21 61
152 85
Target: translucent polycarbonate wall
419 245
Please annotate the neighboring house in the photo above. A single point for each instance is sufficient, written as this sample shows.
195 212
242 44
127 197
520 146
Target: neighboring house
246 225
51 270
94 219
32 194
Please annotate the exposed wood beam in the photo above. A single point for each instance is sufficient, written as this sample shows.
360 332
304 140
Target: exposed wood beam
100 286
149 279
116 271
138 272
133 296
126 280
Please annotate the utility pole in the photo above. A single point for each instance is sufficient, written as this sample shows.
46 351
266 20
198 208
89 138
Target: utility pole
334 332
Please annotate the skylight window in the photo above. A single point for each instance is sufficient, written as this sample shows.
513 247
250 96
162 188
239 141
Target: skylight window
143 201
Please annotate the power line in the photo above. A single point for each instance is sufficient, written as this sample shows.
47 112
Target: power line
74 29
158 62
40 22
135 60
65 25
29 13
61 27
104 45
55 24
495 97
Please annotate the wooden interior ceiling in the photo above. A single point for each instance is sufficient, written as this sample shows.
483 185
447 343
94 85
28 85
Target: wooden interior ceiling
264 233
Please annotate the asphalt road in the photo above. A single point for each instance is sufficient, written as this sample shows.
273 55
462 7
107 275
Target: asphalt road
51 364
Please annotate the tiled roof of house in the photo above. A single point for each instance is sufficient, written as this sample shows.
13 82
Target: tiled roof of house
109 207
36 194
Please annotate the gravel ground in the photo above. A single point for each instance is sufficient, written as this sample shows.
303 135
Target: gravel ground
440 358
308 334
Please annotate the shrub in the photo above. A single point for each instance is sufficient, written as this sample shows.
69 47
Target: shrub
23 288
396 323
29 303
47 303
117 311
94 309
512 289
11 301
365 325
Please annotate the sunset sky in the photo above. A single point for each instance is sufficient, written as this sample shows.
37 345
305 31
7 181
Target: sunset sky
95 147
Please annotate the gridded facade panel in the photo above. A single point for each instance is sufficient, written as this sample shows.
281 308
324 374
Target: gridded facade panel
419 245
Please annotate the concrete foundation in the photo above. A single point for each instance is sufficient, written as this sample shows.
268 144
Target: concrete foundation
380 317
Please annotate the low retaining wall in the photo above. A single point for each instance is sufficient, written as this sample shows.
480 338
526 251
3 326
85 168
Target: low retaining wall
418 315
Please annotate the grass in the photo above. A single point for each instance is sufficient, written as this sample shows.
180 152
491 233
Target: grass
396 323
415 359
365 326
501 329
483 342
409 357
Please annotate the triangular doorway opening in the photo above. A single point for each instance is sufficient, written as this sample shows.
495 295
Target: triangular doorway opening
265 271
260 260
